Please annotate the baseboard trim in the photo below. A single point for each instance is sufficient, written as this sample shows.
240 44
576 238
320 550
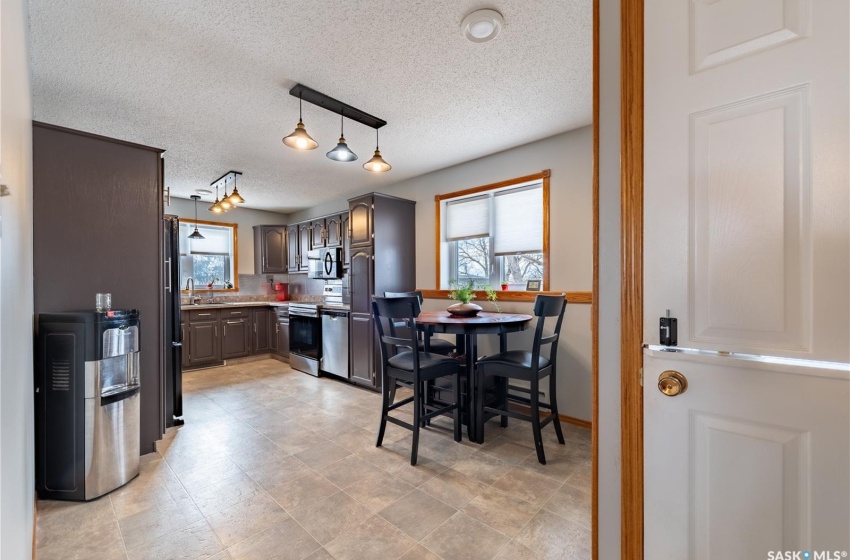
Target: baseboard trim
563 417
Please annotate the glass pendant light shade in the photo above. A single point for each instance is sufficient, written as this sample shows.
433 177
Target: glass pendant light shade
196 234
342 152
377 164
225 203
216 206
299 139
235 198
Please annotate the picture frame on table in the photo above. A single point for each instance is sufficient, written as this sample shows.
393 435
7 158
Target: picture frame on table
533 286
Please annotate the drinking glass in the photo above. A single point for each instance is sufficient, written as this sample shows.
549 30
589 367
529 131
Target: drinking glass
103 302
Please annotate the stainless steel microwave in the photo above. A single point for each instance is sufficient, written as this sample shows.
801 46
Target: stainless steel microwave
325 263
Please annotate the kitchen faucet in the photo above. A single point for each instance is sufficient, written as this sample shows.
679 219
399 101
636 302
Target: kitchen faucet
190 285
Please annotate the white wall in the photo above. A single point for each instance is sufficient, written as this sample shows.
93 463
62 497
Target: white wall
17 470
245 218
609 281
569 156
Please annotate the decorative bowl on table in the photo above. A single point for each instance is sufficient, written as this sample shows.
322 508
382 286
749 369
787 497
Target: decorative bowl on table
464 309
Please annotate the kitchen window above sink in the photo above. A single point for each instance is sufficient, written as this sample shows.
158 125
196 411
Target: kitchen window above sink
211 261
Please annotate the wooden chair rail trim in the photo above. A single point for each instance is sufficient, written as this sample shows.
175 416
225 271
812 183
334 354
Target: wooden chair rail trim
514 295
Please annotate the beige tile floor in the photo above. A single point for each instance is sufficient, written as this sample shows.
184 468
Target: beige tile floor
273 463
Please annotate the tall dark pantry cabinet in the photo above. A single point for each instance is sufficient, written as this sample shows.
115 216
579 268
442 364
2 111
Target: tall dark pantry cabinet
382 231
97 227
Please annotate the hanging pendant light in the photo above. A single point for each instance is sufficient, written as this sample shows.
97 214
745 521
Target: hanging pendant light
216 207
196 234
299 139
377 163
342 152
235 198
225 200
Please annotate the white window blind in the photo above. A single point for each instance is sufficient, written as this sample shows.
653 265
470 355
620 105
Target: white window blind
518 220
217 241
468 218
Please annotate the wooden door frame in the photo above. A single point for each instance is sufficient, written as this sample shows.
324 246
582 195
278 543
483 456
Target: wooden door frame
594 309
631 287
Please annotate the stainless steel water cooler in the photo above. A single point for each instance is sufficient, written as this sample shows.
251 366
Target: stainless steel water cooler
87 403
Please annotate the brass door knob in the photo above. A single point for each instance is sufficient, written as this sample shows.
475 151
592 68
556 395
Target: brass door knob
672 383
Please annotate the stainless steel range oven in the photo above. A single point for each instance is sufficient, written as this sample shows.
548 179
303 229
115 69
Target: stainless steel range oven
305 337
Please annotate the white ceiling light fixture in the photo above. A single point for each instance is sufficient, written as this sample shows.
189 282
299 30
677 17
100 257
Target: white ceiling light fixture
481 26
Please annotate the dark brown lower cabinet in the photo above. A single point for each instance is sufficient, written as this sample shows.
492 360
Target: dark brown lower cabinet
203 343
274 329
279 334
236 339
362 350
242 331
262 323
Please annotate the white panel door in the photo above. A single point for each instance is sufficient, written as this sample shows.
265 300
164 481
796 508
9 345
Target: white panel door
747 243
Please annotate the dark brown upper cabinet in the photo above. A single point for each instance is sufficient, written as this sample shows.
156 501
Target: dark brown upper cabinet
333 231
318 234
305 234
346 238
292 248
270 250
360 216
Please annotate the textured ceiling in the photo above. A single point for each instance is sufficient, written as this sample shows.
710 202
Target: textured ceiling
208 81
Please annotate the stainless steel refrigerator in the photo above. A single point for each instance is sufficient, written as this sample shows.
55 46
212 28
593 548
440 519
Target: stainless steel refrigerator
173 343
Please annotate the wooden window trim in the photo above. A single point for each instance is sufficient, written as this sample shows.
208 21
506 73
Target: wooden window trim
514 295
543 176
235 228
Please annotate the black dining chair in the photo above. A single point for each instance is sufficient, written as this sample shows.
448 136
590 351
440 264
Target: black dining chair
435 345
528 366
411 366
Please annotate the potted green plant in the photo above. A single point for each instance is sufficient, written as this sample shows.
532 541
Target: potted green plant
464 293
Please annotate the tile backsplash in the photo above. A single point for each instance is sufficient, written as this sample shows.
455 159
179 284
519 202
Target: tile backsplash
252 287
256 287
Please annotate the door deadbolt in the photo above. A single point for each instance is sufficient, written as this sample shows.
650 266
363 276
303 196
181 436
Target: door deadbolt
672 383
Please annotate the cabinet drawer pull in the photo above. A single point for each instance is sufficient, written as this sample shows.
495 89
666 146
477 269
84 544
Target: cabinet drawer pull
235 312
204 314
235 322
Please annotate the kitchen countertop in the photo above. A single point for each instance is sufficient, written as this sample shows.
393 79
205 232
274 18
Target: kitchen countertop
188 306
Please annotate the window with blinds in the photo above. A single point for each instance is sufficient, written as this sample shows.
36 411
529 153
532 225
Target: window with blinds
496 236
210 261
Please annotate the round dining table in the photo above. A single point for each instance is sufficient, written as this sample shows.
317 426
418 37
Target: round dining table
467 330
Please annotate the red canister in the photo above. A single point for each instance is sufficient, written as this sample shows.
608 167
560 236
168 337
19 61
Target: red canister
282 290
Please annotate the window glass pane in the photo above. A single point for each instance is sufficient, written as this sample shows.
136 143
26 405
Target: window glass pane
519 269
473 259
209 260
